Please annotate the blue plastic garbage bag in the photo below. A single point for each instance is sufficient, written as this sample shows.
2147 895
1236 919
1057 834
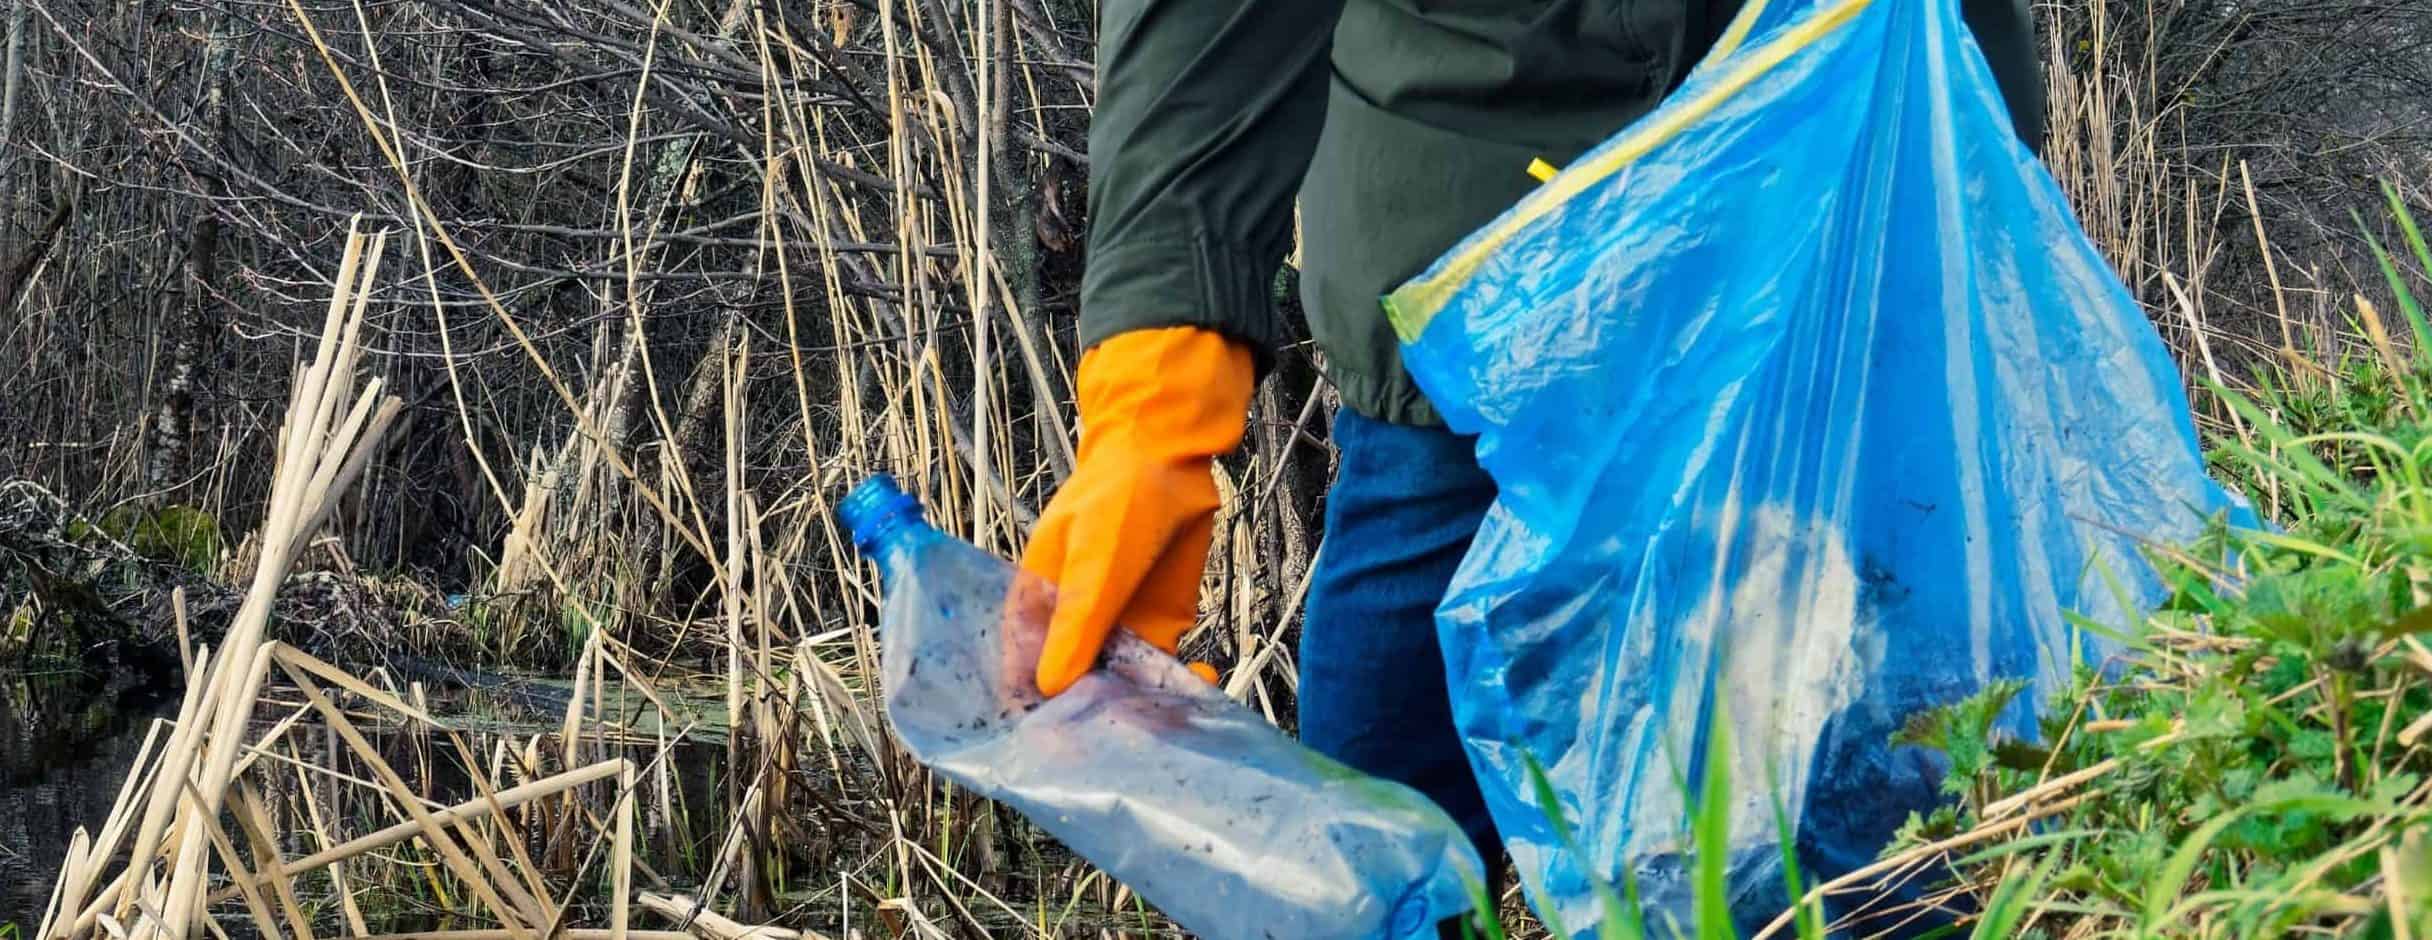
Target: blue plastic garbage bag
1807 401
1197 803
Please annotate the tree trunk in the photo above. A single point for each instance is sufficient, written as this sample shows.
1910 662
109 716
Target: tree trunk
12 75
193 326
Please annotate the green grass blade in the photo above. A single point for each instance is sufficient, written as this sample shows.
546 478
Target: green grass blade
2173 876
1810 926
1711 832
2023 845
1547 802
2406 224
2305 546
1633 907
1621 922
2008 908
2295 461
2406 298
2116 635
1486 914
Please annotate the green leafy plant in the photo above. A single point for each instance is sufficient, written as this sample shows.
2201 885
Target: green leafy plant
2255 762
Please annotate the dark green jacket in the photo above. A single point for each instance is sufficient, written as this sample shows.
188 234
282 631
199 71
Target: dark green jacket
1412 123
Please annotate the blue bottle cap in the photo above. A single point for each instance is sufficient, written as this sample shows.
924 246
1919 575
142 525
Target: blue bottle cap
875 507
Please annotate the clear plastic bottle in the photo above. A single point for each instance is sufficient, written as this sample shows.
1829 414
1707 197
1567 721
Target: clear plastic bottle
1197 803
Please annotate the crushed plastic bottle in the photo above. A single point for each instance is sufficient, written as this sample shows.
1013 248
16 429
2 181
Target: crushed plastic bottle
1197 803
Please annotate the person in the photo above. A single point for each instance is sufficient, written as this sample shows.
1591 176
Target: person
1401 125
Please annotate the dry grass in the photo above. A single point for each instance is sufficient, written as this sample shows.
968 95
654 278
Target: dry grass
220 756
670 542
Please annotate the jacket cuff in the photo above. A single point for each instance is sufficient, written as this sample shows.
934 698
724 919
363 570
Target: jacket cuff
1145 284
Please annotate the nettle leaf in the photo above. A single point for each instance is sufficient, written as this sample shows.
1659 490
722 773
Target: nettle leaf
2029 758
2322 602
2215 711
1942 823
1963 732
2297 785
2291 667
2148 726
1911 832
2144 852
1969 759
2312 744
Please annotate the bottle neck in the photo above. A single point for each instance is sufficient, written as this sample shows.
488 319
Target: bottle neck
886 522
892 541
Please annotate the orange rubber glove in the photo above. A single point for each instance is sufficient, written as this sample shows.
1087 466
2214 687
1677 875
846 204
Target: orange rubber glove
1126 538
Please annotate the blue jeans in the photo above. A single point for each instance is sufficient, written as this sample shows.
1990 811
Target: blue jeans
1405 503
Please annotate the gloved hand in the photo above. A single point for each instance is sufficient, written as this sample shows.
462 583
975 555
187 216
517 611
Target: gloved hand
1126 539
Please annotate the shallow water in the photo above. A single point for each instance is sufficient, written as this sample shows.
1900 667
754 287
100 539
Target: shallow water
66 741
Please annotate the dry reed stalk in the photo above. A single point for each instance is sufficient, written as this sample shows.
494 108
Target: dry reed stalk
768 731
185 638
2271 268
1868 874
913 920
747 872
255 822
298 659
571 933
83 864
709 925
337 867
2395 885
2069 781
71 873
266 745
158 804
2195 328
2415 731
620 899
486 877
569 731
166 812
217 837
2379 335
825 693
734 849
480 832
319 455
1246 673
